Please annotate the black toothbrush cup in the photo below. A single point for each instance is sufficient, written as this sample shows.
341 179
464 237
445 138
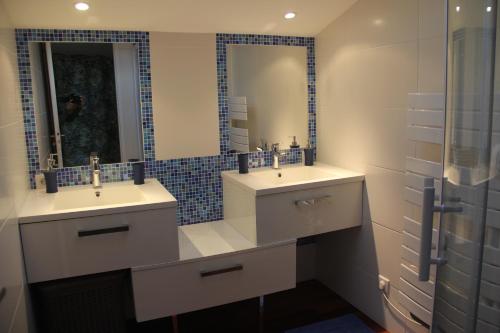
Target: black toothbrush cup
138 171
309 156
243 162
50 174
50 181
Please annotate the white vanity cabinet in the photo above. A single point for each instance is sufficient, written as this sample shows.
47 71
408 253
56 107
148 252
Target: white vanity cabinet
269 205
76 241
174 270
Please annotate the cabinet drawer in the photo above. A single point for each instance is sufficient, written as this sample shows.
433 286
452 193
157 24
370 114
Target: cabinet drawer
65 248
309 212
205 282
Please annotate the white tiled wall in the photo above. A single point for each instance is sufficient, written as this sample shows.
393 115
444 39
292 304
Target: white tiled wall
13 185
368 60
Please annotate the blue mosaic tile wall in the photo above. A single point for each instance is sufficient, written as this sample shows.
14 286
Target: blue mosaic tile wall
195 182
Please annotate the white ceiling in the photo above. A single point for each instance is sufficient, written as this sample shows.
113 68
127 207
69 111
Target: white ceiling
238 16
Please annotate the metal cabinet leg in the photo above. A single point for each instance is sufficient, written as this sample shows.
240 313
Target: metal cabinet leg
261 314
175 324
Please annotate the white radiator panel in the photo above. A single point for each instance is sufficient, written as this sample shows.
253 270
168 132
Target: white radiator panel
238 108
237 100
425 125
416 294
412 277
243 140
455 297
239 147
491 255
238 115
451 313
417 309
242 108
484 327
446 325
426 101
489 314
423 167
425 134
427 118
239 139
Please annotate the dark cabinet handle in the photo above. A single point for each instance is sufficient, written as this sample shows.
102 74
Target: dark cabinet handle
111 230
234 268
3 292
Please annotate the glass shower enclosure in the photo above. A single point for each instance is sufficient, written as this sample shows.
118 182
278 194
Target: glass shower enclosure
467 283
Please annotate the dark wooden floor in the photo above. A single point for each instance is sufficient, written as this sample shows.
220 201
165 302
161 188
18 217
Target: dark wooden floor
309 302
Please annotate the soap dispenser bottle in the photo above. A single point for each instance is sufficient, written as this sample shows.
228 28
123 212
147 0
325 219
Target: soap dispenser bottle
294 143
51 175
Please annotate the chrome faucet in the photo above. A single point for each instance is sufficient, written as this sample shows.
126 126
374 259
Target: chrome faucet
277 154
96 170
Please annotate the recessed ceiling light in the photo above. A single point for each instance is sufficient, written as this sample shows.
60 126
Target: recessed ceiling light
457 8
488 9
82 6
290 15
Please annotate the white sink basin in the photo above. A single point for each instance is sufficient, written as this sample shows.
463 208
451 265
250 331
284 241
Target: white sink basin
290 178
79 197
81 201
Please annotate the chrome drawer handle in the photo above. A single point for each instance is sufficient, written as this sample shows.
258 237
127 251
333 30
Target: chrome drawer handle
234 268
111 230
311 202
3 292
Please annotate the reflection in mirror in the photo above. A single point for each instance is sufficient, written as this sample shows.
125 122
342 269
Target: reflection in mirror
267 89
86 101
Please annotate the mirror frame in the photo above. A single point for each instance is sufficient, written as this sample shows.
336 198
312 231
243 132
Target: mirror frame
222 43
66 176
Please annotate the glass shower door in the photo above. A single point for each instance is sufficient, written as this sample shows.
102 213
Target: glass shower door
467 293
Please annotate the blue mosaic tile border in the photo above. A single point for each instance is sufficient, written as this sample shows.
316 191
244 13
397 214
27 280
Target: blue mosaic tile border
222 40
79 175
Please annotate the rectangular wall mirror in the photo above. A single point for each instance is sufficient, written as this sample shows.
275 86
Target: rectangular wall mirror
86 98
267 96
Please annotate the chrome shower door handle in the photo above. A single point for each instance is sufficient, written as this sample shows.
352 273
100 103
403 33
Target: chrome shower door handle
426 233
428 210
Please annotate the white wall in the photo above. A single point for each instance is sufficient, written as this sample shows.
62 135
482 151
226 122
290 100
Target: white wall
368 60
185 109
274 80
13 184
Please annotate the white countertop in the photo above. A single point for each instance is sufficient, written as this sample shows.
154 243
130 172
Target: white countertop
262 181
40 206
210 238
207 240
